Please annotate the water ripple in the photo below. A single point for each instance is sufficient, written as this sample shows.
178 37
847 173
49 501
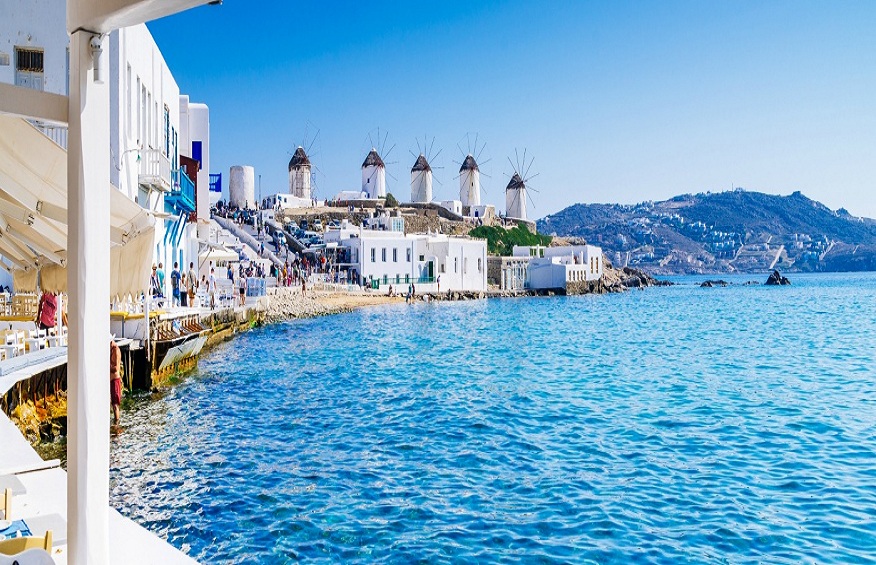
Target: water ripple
676 425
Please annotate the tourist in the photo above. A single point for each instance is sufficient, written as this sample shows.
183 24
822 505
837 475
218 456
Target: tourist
192 284
230 274
211 289
438 280
390 290
242 291
174 284
46 311
115 379
184 295
413 291
303 287
160 274
154 283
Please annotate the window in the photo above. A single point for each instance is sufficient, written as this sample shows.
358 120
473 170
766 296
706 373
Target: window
128 99
29 68
422 258
166 131
407 278
373 254
409 255
465 266
456 264
480 265
394 255
385 279
383 254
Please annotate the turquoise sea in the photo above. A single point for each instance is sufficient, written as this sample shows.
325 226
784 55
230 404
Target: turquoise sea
671 425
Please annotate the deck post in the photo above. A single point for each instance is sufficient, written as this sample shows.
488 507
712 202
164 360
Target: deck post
88 276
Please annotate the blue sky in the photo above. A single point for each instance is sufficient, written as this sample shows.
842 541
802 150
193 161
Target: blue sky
616 101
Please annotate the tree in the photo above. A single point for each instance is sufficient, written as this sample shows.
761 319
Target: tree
391 202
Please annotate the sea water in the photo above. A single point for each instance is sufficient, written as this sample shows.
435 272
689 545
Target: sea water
671 425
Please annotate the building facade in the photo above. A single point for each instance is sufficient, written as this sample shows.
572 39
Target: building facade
381 258
561 268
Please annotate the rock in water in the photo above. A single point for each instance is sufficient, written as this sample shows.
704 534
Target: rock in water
777 279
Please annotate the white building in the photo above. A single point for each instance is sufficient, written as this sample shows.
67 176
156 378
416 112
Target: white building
515 198
241 187
299 175
387 257
421 181
194 142
144 116
470 182
558 268
374 176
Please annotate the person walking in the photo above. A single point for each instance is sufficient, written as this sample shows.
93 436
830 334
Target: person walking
47 311
193 283
161 278
243 285
115 379
174 285
184 294
211 289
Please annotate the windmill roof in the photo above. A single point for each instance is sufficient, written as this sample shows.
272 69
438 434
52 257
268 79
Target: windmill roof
421 165
469 164
373 159
515 182
299 159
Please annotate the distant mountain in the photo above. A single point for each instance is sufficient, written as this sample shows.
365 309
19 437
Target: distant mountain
736 231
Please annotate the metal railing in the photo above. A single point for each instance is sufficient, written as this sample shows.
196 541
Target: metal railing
183 192
58 134
155 170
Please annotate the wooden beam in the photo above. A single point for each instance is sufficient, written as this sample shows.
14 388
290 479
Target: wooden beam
33 104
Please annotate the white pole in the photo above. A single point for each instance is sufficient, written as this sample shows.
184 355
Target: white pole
88 275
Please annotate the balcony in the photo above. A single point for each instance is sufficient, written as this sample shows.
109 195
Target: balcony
155 172
182 193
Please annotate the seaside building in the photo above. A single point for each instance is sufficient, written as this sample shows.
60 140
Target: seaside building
374 176
68 193
145 124
194 142
421 181
561 268
515 198
383 257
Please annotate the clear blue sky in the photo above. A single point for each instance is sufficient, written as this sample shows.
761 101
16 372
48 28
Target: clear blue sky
616 101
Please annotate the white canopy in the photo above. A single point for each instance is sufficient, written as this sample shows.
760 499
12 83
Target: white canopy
217 254
33 215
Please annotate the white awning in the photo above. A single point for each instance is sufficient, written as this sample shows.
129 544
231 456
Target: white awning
217 254
33 212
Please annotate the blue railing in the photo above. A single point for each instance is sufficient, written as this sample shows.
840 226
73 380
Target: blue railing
182 193
216 182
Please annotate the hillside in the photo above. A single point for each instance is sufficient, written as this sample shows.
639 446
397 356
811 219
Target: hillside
723 232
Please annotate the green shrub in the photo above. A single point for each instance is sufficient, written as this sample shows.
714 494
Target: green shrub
501 241
391 202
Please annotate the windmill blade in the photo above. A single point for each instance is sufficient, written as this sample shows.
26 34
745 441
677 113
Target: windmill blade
526 180
531 201
436 155
392 176
478 158
387 154
512 165
526 174
523 163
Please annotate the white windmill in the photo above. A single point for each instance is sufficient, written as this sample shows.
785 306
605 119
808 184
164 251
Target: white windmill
517 192
421 172
374 175
421 180
470 182
300 175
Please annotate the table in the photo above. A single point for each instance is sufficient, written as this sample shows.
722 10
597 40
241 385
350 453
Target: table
55 522
17 529
12 482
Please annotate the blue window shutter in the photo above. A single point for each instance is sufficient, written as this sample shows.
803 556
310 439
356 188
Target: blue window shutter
197 152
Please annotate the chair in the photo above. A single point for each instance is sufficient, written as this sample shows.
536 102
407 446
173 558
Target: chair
7 504
34 556
17 545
